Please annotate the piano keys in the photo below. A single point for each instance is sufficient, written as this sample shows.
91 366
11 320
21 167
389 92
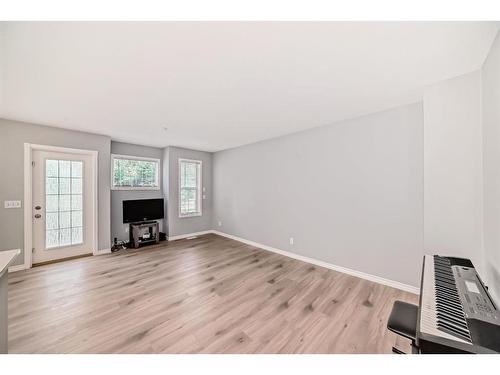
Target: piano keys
456 312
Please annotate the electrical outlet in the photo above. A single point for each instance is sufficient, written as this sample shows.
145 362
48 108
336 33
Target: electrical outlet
220 223
291 240
12 204
126 229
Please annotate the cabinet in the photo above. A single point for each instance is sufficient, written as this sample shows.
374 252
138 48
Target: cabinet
145 233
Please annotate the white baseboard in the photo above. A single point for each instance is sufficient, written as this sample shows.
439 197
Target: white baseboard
182 236
320 263
102 252
22 267
19 267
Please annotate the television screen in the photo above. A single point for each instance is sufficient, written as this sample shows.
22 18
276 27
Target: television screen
142 210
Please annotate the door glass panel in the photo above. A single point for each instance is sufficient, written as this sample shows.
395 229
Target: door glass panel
65 237
64 185
64 168
65 219
51 185
76 185
76 235
52 220
76 202
63 203
76 169
51 203
52 238
51 168
76 218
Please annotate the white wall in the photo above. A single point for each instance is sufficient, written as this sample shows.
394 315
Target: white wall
491 160
453 168
350 193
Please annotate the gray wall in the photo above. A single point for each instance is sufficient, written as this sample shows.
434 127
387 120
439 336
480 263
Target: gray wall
491 165
13 136
118 229
178 226
350 193
453 173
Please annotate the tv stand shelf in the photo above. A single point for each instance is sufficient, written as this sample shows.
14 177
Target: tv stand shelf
144 233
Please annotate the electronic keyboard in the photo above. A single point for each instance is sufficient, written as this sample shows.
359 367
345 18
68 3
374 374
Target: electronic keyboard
456 312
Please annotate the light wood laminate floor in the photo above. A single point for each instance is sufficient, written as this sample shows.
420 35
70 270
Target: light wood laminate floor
205 295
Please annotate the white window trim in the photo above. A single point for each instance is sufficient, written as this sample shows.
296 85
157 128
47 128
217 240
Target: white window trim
132 157
200 188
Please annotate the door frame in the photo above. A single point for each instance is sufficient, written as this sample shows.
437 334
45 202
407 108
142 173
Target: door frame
28 195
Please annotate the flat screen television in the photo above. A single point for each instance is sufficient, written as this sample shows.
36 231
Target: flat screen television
142 210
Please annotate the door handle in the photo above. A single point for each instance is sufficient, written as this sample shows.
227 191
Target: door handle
38 216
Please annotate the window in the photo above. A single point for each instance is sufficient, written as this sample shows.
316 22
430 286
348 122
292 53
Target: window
134 173
63 203
189 188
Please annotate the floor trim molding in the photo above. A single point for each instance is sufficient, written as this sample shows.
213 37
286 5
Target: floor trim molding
23 266
102 252
320 263
60 260
182 236
19 267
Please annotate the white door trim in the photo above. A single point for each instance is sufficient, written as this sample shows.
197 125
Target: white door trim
28 194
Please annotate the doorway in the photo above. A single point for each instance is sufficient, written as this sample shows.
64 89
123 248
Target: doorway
63 207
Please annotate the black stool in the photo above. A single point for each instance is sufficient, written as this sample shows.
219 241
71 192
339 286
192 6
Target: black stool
403 321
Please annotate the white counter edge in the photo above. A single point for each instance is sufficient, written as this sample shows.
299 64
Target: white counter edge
7 257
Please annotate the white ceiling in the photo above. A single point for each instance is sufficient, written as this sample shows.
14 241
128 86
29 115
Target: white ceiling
218 85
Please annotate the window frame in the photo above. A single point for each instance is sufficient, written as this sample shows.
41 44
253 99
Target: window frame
139 158
199 185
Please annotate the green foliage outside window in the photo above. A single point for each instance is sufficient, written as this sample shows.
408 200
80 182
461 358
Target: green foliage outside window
135 173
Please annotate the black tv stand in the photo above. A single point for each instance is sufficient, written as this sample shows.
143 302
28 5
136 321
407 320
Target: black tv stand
139 236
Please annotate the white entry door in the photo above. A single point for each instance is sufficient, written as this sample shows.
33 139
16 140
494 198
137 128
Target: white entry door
63 220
